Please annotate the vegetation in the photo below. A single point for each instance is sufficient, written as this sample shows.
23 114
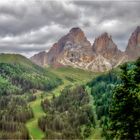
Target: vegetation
125 108
13 114
70 78
32 124
19 80
109 104
73 75
68 116
25 78
117 101
101 90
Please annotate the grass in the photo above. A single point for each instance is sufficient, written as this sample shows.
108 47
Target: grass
70 76
77 75
16 59
32 125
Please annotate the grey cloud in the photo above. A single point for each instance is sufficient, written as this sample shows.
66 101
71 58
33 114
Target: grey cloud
35 14
124 16
31 26
23 48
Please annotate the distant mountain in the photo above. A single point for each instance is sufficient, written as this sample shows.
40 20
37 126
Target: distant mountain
107 53
133 47
75 50
40 58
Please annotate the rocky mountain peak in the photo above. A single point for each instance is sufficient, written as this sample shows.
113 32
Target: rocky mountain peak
75 30
134 38
74 41
105 45
77 36
105 35
133 47
137 29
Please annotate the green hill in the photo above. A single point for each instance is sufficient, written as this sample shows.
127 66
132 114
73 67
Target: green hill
20 73
15 59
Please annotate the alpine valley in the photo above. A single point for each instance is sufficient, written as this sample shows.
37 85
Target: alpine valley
69 70
76 90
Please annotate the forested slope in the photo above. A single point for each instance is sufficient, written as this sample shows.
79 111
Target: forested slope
117 100
18 74
19 79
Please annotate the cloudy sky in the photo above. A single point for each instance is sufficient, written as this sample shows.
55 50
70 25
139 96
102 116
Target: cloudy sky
31 26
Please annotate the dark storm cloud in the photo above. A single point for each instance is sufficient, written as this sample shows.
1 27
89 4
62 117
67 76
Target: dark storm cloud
34 25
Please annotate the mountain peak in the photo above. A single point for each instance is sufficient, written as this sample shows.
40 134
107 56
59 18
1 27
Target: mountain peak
75 29
104 45
76 32
133 47
137 29
105 34
104 41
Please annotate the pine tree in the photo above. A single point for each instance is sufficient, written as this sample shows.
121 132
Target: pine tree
125 108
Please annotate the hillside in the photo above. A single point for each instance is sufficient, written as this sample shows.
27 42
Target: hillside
16 59
116 102
25 75
19 80
30 99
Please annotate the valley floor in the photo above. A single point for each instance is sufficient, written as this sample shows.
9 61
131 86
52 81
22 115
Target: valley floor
71 77
32 125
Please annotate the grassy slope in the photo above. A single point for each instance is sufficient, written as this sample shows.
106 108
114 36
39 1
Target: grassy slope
16 59
19 67
78 76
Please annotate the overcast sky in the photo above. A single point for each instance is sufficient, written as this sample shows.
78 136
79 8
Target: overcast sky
31 26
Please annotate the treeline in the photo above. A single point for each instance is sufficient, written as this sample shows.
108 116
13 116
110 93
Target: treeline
17 79
69 116
14 112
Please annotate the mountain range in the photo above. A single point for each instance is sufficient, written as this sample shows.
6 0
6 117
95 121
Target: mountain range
74 49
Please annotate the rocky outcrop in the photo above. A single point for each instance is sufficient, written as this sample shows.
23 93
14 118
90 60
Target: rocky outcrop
133 47
40 58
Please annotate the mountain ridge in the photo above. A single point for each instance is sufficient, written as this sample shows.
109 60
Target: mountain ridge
74 49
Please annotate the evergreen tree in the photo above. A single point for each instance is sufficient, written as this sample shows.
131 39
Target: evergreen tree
125 108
